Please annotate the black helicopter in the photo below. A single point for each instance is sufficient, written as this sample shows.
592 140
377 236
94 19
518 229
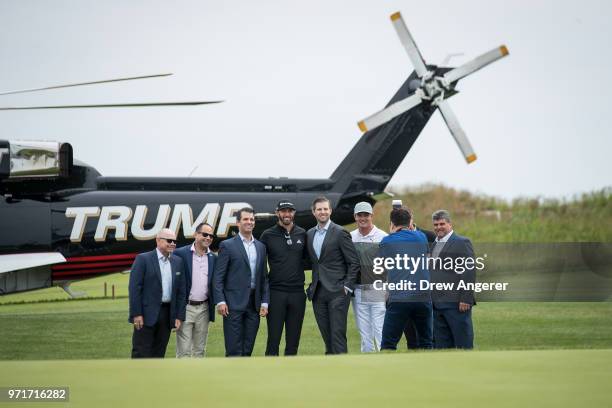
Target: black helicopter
67 222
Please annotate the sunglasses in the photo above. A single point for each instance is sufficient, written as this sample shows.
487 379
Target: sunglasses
207 235
169 240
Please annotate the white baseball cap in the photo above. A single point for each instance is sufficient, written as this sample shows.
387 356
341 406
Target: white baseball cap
363 207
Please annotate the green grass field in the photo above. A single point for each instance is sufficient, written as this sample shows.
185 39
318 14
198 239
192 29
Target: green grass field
97 328
429 379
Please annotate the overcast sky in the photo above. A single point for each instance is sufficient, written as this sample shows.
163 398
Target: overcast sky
296 78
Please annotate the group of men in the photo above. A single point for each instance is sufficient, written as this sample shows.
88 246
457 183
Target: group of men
181 288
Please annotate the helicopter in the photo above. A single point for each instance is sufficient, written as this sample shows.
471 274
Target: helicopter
68 222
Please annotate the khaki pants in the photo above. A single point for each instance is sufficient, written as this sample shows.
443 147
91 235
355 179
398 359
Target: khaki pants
191 337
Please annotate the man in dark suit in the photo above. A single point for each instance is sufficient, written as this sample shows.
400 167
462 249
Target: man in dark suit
335 266
157 297
199 264
241 286
452 308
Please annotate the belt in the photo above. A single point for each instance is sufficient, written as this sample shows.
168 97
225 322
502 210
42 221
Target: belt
196 302
165 303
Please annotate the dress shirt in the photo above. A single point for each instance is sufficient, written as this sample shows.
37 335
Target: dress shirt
249 247
319 237
439 244
199 276
166 276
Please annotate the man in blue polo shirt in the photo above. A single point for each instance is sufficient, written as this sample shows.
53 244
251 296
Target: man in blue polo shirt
407 301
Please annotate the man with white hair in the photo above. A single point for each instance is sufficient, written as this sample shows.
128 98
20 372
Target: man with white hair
368 303
157 297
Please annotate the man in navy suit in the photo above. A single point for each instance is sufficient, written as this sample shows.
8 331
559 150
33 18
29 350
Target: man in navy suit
199 264
452 308
241 286
157 297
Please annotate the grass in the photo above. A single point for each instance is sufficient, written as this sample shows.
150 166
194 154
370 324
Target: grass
97 328
584 218
92 287
459 379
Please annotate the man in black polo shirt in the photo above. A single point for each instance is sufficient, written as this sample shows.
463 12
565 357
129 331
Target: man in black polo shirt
287 255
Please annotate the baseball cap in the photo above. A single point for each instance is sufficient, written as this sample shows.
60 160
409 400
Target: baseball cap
363 207
284 204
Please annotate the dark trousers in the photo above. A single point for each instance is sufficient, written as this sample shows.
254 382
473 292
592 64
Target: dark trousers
412 340
152 341
240 330
453 329
395 321
286 310
330 310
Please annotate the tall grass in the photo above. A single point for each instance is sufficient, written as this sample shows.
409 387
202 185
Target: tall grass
582 218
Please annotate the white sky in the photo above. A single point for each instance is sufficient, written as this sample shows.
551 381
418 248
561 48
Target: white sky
297 76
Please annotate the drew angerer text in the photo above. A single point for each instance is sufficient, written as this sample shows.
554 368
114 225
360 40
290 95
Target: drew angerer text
443 286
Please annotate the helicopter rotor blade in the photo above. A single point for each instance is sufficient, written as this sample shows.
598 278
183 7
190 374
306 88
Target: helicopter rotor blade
457 131
113 105
409 44
83 83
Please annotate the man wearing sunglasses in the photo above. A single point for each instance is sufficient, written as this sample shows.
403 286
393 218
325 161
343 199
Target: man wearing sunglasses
199 263
287 257
157 297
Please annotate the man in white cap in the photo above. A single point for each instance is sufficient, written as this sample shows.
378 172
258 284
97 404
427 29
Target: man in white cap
368 303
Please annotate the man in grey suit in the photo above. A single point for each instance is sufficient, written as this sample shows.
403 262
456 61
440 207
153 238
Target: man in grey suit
157 297
335 266
452 308
241 286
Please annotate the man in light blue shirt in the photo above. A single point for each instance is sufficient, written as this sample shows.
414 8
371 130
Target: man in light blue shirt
335 266
240 286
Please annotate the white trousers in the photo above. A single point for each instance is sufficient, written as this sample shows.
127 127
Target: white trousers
369 317
191 337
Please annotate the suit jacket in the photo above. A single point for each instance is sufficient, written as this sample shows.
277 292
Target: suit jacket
232 276
456 247
187 257
338 265
145 289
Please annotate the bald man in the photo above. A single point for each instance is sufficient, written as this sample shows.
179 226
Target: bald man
157 297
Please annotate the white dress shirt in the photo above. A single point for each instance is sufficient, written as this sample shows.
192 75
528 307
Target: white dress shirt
166 275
